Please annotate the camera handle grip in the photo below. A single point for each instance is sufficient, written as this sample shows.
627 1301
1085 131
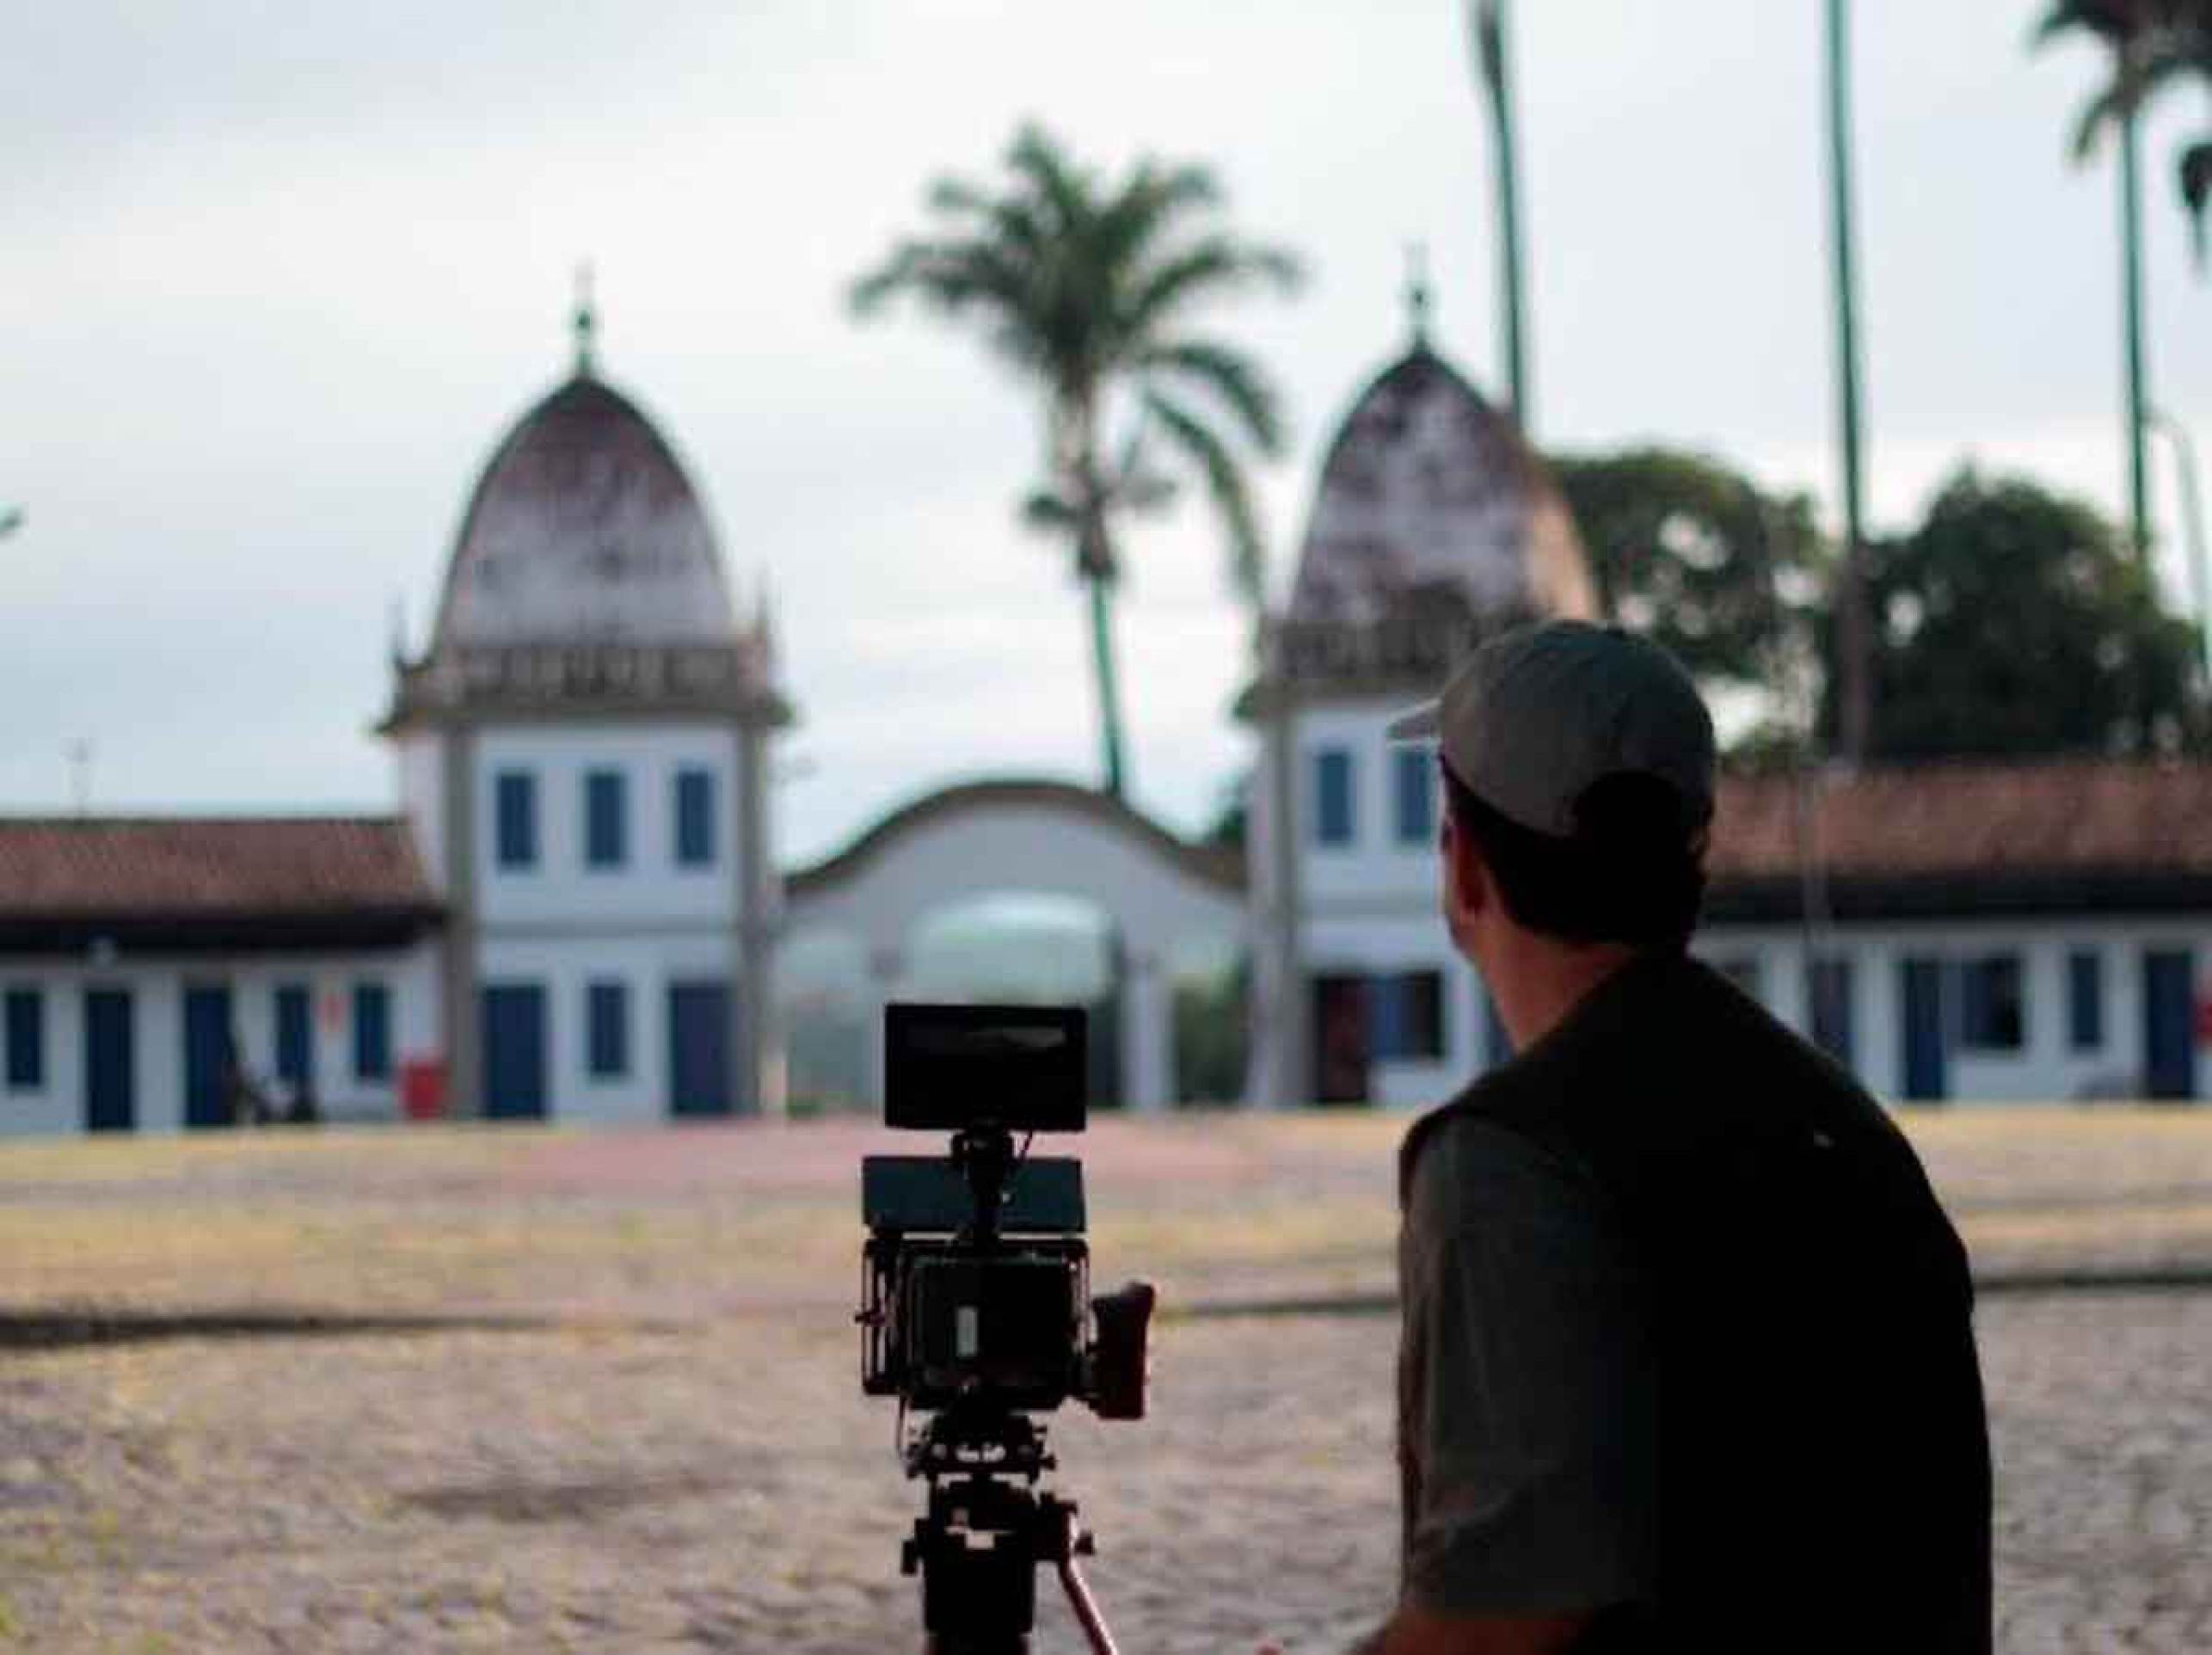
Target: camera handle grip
1121 1358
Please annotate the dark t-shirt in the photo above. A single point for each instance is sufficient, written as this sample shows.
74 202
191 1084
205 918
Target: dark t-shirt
1687 1341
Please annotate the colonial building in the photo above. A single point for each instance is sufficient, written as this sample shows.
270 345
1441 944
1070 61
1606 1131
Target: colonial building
1433 525
1955 931
578 908
572 914
583 759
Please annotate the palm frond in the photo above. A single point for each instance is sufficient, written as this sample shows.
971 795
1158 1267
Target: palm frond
2196 196
1215 264
1229 378
1047 512
948 276
1063 189
1224 483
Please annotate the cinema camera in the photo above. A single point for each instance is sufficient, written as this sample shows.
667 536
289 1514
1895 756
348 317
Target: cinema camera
976 1311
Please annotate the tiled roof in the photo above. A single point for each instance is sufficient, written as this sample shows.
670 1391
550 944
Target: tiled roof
2076 834
61 873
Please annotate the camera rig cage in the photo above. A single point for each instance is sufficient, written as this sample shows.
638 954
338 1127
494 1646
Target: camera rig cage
974 1301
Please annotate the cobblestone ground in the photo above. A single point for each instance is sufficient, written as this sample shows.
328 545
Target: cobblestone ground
673 1456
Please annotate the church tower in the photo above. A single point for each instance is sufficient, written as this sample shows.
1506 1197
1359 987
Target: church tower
1433 525
583 755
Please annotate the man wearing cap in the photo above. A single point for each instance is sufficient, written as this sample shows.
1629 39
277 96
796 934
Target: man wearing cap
1687 1360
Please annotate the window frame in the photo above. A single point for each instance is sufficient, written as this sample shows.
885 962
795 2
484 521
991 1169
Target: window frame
372 1056
283 995
1992 1023
700 855
515 840
606 819
1336 782
23 1033
607 1043
1413 776
2085 997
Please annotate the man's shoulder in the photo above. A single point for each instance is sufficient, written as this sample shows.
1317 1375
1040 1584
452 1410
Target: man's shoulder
1493 1117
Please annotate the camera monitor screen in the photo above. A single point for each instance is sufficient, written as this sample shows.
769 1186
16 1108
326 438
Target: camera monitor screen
1023 1067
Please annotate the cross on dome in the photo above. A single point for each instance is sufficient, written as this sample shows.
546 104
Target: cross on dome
586 321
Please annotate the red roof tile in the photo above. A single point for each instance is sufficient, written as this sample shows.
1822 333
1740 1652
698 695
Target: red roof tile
1969 820
195 867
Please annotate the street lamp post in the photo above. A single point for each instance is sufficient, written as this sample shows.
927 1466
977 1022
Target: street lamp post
2192 515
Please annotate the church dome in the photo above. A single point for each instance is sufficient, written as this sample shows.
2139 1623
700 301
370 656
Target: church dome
1431 502
584 530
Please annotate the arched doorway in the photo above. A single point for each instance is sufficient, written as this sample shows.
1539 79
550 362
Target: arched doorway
1049 850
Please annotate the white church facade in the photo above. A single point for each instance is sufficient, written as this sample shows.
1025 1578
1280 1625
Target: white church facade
576 911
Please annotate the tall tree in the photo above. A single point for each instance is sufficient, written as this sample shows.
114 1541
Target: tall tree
1853 634
2013 622
1696 556
1089 289
1487 26
2157 44
2153 44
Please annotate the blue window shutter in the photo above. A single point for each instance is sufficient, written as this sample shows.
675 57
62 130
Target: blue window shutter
1388 1031
371 1032
1334 821
1415 775
607 1020
515 808
27 1039
294 1040
695 818
2084 995
606 824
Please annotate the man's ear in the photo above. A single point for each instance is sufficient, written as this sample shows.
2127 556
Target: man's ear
1466 880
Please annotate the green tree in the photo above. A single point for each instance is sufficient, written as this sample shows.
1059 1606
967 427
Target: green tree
2013 623
1089 289
2156 45
1697 557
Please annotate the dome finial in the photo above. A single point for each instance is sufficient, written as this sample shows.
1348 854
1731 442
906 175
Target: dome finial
1417 290
586 321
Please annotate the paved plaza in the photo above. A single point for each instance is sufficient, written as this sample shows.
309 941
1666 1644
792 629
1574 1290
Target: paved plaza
476 1390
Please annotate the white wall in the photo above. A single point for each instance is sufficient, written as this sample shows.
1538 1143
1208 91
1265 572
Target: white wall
157 987
2045 1068
1377 866
421 758
1380 944
648 890
646 965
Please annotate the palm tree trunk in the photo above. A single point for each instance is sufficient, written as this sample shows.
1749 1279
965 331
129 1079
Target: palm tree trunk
1853 634
2131 246
1494 49
1109 694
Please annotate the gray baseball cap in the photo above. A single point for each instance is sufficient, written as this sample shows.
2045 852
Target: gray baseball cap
1539 713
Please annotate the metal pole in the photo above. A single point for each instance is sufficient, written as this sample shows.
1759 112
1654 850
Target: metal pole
2131 242
2193 514
1856 710
1494 56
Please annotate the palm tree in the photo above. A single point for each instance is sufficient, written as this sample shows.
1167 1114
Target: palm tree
1088 288
2154 43
2158 44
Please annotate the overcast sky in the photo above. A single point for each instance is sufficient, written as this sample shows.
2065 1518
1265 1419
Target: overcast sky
278 276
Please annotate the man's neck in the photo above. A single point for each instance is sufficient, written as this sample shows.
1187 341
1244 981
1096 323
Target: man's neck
1536 982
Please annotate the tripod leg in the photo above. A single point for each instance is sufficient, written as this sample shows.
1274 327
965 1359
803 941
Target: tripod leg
1085 1607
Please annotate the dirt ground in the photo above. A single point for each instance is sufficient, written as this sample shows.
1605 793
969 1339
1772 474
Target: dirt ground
469 1390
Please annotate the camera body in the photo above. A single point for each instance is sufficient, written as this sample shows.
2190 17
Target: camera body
975 1289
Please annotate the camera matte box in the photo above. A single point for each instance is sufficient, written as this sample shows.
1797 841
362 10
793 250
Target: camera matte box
949 1067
